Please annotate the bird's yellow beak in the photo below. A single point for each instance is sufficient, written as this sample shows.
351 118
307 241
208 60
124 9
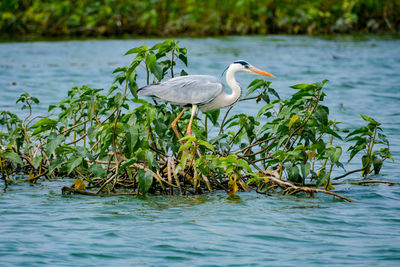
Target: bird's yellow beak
258 71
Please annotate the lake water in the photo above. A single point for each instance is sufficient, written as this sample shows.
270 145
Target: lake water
39 226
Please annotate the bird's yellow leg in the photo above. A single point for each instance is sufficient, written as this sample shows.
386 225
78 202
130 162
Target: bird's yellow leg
173 124
189 128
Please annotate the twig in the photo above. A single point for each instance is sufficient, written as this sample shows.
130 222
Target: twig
223 120
176 176
346 174
171 192
82 192
273 174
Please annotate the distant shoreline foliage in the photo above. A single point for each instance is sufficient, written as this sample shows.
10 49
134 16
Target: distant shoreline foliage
40 18
115 143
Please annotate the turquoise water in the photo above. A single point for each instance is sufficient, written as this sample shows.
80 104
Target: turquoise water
39 226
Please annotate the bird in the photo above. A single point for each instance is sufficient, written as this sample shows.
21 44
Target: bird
200 91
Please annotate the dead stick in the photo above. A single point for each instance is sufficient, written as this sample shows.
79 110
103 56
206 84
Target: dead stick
273 174
171 191
178 184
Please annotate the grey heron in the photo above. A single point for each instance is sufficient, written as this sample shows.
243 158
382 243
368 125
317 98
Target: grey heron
200 91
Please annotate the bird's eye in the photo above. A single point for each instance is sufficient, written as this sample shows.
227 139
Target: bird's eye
246 66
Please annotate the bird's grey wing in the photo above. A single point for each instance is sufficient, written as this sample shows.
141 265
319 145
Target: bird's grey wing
183 90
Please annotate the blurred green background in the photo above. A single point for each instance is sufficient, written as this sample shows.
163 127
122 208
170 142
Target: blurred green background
81 18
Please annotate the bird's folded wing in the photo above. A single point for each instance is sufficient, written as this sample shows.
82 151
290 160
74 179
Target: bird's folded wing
184 90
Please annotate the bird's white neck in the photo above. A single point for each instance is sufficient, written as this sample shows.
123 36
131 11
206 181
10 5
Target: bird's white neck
232 98
224 99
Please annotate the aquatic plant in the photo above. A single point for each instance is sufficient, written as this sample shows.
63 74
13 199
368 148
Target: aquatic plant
114 143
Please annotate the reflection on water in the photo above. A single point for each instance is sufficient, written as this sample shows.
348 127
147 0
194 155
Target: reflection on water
40 226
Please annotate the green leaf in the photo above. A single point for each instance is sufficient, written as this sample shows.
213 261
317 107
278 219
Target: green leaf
377 163
132 136
91 132
13 157
136 61
98 170
206 144
73 163
126 164
136 50
36 161
213 115
305 169
182 164
366 164
264 109
273 91
56 163
370 120
145 180
244 165
321 113
184 146
335 154
45 122
357 131
119 69
303 86
183 58
53 142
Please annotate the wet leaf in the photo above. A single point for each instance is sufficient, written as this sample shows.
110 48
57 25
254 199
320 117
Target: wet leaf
377 163
145 180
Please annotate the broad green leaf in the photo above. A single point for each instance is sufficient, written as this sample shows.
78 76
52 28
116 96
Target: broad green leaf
13 157
53 142
370 120
366 164
45 122
321 113
73 163
213 115
91 132
264 109
206 144
183 58
136 50
132 136
182 164
244 165
98 170
304 86
305 169
145 180
120 69
126 164
36 161
55 163
377 162
335 154
186 145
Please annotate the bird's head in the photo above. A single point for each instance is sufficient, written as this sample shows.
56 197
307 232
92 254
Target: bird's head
243 66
